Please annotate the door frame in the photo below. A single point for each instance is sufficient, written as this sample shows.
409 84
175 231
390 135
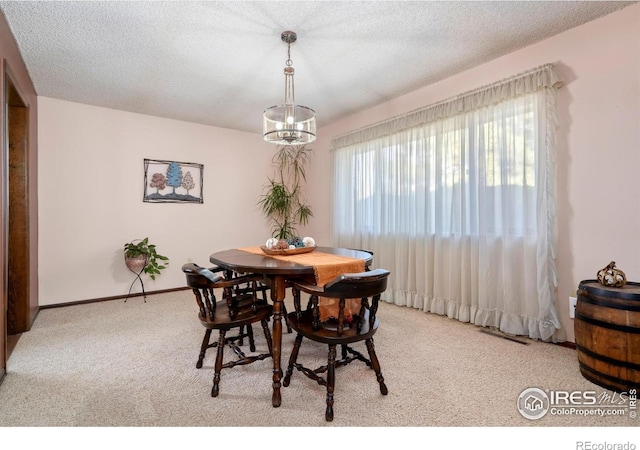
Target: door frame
25 303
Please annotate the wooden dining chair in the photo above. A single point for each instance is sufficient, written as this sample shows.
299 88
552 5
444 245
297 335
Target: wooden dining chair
341 329
239 308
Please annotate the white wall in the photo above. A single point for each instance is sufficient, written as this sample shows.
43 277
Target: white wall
90 181
598 162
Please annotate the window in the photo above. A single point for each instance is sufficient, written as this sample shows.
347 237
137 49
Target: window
457 201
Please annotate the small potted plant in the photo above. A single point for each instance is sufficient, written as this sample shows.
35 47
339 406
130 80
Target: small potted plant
141 256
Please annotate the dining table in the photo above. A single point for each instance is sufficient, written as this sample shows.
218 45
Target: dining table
319 265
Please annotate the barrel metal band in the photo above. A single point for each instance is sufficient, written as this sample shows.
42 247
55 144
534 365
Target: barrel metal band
608 359
630 291
611 326
609 304
598 378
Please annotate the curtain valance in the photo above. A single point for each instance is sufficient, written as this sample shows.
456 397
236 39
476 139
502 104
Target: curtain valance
524 83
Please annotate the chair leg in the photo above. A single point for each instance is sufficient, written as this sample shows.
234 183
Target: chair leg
375 365
286 319
241 335
203 348
252 344
267 335
218 367
331 382
292 360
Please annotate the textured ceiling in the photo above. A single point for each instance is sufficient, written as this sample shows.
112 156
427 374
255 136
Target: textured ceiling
221 62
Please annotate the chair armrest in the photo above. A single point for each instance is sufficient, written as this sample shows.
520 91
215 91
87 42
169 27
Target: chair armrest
361 276
194 269
223 283
309 288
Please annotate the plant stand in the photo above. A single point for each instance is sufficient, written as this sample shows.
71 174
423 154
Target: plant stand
136 266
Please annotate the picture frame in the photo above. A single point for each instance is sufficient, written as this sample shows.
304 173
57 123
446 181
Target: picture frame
168 181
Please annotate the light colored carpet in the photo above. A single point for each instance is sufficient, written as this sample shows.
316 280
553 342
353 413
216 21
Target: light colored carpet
133 365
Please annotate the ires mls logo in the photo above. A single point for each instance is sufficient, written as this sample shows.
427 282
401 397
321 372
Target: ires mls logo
535 403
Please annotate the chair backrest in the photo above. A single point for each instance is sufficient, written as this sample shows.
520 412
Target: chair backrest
353 285
361 287
237 291
198 277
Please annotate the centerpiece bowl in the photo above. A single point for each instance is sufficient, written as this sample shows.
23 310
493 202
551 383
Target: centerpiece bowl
288 251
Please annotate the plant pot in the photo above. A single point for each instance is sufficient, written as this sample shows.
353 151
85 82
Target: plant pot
136 264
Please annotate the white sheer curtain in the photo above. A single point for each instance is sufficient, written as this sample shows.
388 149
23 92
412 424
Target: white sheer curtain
457 200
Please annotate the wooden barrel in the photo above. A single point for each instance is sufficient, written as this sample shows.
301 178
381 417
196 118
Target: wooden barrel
607 334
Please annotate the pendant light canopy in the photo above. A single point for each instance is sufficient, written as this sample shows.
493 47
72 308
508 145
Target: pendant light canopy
289 124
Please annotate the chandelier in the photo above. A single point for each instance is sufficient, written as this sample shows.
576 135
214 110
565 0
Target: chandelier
289 124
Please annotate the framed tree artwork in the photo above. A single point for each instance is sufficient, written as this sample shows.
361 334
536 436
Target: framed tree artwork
172 182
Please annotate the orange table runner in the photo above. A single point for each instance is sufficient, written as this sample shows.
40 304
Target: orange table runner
325 268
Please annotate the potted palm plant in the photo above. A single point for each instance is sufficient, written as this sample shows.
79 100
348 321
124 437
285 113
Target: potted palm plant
141 256
283 201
